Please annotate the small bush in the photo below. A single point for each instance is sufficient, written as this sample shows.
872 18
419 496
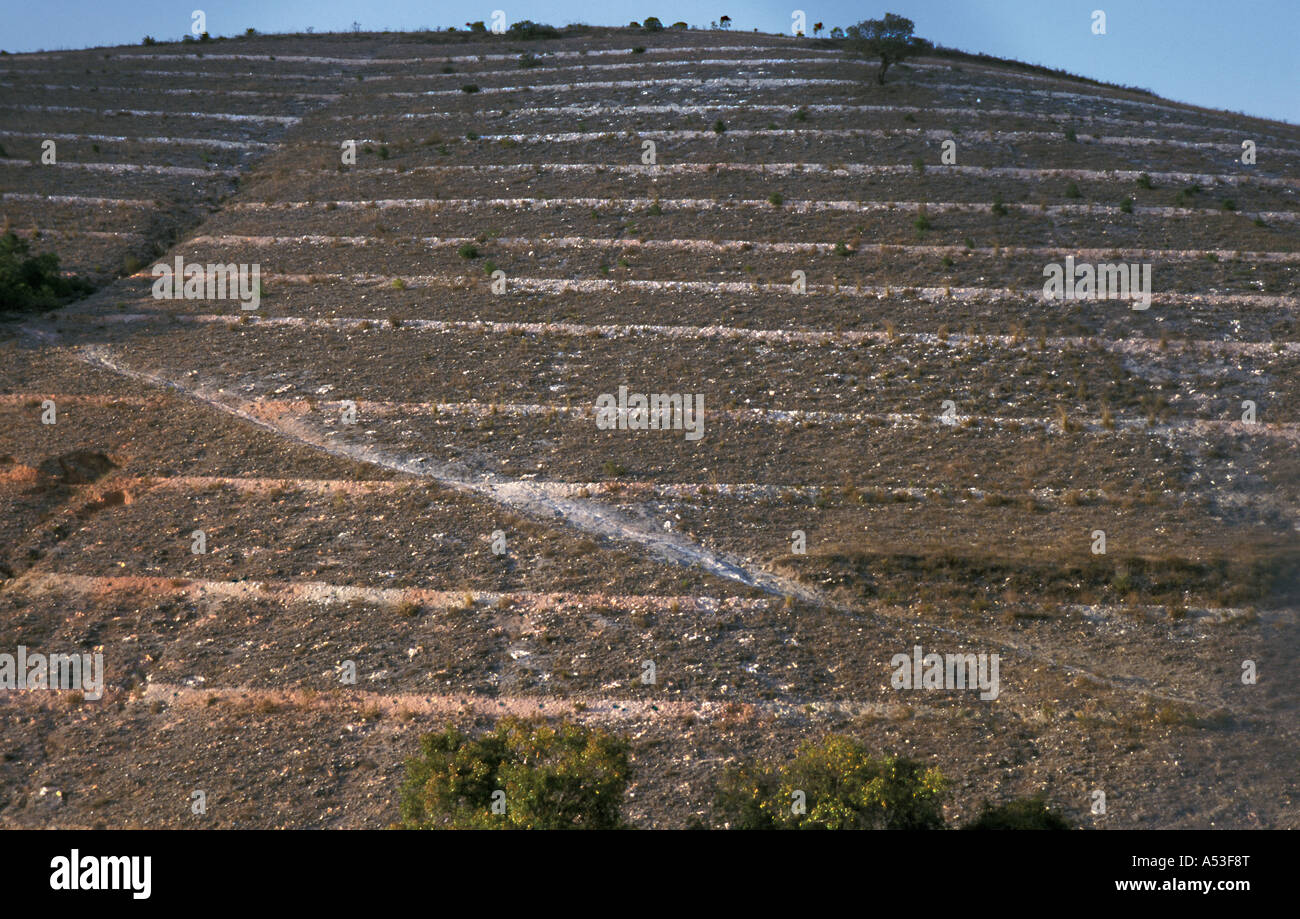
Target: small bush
1228 204
842 788
719 126
1070 135
148 40
562 777
526 28
34 282
1020 814
1126 205
1072 191
638 50
775 199
469 88
1144 181
999 208
468 250
922 223
652 24
842 248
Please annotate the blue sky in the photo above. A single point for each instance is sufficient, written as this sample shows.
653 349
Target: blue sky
1241 56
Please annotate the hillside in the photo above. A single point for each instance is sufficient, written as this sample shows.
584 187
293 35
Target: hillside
948 440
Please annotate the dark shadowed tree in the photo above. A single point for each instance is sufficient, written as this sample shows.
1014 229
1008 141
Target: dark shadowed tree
889 39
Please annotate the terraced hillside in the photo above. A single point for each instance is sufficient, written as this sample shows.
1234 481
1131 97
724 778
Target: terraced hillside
395 459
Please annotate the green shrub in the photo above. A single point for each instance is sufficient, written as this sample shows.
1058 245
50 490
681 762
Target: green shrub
562 777
842 787
1144 181
1126 205
639 49
719 126
526 28
999 207
1032 813
468 250
922 223
775 199
469 88
1072 191
652 24
33 282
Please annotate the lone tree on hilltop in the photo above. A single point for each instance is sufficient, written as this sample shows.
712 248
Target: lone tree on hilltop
889 39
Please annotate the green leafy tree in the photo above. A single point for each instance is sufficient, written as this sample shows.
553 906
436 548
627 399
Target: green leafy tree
542 777
652 24
833 784
889 39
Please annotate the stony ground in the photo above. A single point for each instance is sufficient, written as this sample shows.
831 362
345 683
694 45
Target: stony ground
947 440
